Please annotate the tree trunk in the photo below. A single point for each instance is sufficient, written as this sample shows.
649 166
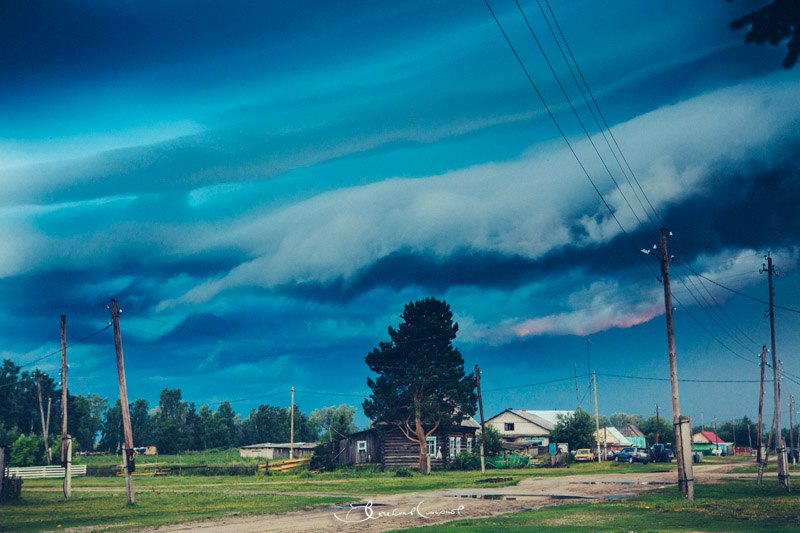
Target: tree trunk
423 447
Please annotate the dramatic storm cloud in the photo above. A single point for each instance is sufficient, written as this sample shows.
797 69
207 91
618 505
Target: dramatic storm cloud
264 186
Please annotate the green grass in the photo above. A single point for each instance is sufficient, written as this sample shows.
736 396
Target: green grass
730 506
208 457
38 511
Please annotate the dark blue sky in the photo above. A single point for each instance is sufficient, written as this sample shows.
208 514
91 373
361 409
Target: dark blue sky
264 185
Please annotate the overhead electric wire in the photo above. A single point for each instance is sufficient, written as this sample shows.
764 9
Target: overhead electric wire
734 291
575 111
57 352
564 136
597 106
648 378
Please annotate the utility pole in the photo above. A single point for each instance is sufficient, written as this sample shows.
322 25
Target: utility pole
596 417
682 423
483 428
763 465
780 444
716 438
760 453
66 440
791 427
291 429
45 423
658 425
734 438
129 461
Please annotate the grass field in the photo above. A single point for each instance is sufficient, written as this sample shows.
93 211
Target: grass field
101 501
731 506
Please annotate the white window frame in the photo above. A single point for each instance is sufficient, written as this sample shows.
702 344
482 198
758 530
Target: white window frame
458 445
430 442
469 444
361 445
452 447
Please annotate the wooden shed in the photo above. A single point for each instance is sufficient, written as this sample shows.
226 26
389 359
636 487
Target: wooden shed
269 450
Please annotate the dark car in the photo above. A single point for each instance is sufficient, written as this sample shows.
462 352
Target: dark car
633 454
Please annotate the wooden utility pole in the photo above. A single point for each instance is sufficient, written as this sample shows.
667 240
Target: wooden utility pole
483 428
596 416
780 444
716 438
45 422
129 462
791 428
763 465
291 429
760 453
682 423
658 425
66 440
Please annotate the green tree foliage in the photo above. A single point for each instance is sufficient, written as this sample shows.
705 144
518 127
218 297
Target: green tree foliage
743 432
619 420
170 426
774 23
421 383
85 419
27 451
663 428
494 442
577 430
333 423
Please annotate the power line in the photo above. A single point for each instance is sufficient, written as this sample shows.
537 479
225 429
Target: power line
597 106
564 136
575 111
648 378
58 352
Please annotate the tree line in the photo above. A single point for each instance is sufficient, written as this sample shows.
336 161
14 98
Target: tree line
174 425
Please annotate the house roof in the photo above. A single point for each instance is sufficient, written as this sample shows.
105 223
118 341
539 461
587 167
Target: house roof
545 419
267 445
613 436
629 430
708 436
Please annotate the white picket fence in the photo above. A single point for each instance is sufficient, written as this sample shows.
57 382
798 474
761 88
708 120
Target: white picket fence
42 472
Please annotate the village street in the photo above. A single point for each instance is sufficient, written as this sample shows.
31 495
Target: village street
399 511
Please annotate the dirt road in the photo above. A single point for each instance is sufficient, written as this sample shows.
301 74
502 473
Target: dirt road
398 511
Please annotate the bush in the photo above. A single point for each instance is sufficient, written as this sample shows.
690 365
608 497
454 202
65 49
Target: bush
323 458
466 461
26 451
403 472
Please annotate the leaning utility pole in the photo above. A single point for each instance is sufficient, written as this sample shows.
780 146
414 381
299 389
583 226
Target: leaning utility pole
66 440
483 428
45 422
291 429
780 444
129 462
596 417
682 423
760 453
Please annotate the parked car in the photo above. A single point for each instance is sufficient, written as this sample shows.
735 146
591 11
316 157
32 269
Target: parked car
584 454
633 454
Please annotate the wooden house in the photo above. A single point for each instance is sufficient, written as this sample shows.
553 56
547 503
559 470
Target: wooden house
386 445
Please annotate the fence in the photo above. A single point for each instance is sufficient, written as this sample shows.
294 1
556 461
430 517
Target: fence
44 472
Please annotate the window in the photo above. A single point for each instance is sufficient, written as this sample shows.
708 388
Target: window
452 448
469 444
431 442
458 445
361 445
509 426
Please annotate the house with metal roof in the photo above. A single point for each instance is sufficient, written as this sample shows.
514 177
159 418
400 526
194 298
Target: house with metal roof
526 427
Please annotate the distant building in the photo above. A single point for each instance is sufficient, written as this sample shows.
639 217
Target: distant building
611 439
635 435
269 450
